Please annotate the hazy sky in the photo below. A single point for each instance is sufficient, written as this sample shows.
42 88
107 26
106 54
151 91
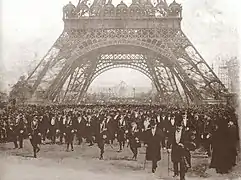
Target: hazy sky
29 28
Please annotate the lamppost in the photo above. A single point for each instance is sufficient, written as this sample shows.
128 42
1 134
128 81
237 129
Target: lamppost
109 94
134 92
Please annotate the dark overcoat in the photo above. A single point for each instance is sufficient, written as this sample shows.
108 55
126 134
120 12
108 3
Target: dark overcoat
35 137
81 128
69 134
121 131
134 138
153 151
111 129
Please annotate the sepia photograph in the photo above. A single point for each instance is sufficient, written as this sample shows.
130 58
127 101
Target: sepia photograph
120 90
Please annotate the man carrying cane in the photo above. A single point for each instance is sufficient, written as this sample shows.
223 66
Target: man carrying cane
153 138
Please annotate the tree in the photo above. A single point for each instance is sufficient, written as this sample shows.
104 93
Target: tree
21 91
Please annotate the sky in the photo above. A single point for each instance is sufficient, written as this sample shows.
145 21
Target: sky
30 27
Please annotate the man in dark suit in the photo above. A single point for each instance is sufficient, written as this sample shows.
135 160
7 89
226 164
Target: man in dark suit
35 136
80 128
133 138
233 142
12 134
121 130
180 143
19 126
170 125
206 136
44 126
89 128
153 138
163 125
61 127
101 136
110 129
53 127
69 134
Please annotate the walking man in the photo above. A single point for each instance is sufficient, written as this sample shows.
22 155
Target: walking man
153 139
35 136
180 144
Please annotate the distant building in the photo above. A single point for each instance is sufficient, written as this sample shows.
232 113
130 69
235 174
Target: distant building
223 73
122 90
228 73
234 75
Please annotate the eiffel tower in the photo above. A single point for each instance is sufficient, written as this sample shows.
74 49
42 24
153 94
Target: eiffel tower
143 36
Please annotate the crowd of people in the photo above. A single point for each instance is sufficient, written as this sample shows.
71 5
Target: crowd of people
177 129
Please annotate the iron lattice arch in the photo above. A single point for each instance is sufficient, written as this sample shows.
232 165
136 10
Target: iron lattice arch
165 83
149 40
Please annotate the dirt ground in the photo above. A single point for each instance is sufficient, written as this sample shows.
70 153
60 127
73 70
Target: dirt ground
54 163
